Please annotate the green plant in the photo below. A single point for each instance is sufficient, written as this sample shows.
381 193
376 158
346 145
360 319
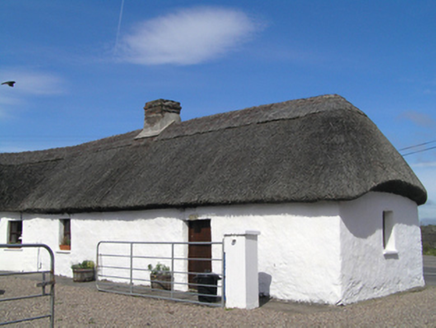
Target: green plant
84 265
66 241
159 269
428 250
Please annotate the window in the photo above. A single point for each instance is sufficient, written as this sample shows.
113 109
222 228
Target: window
15 232
388 232
65 234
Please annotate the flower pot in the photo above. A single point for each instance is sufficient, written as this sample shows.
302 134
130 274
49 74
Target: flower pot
161 281
64 247
83 275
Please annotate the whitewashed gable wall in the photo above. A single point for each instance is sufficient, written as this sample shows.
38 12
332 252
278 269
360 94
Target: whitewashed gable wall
367 270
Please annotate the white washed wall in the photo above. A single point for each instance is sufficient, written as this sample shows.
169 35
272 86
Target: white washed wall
326 252
366 271
21 259
87 230
298 246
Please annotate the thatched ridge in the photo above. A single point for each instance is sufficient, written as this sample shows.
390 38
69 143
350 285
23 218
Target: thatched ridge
306 150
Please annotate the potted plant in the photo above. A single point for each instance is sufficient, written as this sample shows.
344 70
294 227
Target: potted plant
160 276
84 271
65 244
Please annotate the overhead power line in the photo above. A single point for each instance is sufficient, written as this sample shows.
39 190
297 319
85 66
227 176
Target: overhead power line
418 151
418 145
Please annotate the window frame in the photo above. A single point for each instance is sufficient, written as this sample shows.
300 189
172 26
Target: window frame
65 234
18 224
388 233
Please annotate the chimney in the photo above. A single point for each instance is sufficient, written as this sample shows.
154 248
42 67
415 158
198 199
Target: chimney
159 114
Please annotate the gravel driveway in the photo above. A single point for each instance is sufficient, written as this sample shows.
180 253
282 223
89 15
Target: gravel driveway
82 305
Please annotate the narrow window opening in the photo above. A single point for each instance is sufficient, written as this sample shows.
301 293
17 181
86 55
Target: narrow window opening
65 234
15 232
388 232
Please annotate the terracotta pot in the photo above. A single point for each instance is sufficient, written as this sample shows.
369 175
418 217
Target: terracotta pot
64 247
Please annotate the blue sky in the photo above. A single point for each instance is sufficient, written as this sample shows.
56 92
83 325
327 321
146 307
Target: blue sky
84 69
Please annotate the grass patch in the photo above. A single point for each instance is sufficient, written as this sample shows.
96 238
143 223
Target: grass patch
428 250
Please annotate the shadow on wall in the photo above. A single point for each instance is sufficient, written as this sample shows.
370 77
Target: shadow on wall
264 284
364 216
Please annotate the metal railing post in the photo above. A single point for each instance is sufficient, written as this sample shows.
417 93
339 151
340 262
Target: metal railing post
223 270
172 270
131 267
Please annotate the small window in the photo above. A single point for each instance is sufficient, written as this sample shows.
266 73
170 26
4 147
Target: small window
388 231
15 232
65 234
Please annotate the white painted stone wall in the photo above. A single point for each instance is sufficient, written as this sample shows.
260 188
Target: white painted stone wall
325 252
87 229
367 270
298 246
20 259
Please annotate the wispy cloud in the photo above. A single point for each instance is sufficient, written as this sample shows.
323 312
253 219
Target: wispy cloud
420 119
187 37
423 165
28 84
429 92
34 82
119 24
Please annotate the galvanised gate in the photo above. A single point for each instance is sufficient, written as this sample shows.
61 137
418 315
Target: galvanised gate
45 279
162 270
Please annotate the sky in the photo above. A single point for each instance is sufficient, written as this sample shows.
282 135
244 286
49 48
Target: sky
84 69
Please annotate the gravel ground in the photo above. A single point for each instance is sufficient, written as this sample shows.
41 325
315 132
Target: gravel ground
79 306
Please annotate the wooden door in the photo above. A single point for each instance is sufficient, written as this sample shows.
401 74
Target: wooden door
199 231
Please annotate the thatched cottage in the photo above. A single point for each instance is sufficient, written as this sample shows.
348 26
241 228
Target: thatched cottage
335 203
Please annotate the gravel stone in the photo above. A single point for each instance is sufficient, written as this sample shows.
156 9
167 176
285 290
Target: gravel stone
78 305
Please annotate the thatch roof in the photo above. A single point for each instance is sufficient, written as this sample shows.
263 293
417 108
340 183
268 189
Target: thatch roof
306 150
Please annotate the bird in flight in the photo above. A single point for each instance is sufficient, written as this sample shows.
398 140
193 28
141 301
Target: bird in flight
10 83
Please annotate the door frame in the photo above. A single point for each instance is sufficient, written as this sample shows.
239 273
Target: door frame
199 231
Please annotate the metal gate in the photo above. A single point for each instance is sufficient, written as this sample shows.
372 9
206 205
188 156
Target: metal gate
46 279
160 270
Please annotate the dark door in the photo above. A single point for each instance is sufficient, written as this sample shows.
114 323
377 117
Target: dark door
199 231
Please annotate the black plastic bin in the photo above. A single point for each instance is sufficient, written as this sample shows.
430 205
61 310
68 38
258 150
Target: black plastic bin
208 285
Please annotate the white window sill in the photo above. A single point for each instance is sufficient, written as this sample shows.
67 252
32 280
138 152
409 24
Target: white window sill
390 252
63 252
14 249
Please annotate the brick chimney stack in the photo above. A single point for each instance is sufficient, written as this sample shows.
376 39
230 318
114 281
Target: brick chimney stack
159 114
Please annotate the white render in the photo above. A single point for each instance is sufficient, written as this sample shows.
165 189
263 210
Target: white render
87 230
242 279
368 271
324 252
